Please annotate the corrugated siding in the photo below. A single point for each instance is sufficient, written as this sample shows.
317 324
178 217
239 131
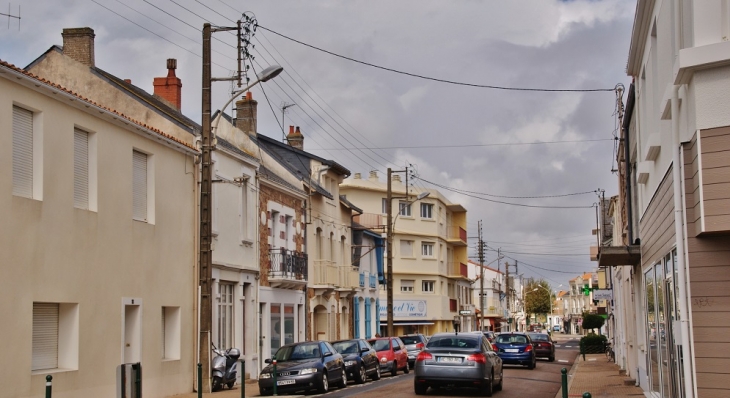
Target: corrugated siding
657 224
22 152
45 336
81 169
708 259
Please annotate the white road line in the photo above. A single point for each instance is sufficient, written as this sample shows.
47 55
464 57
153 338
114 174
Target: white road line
568 346
563 360
591 359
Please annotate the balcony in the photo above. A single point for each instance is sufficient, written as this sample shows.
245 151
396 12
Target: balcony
456 236
457 270
325 273
370 220
287 269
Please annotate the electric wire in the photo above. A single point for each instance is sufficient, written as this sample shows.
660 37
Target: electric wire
480 145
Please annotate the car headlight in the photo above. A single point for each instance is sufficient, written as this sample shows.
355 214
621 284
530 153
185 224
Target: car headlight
265 376
349 363
384 359
308 371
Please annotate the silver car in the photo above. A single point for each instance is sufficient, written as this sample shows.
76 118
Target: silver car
458 360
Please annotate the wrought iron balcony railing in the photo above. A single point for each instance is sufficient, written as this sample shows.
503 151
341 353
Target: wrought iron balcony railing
287 264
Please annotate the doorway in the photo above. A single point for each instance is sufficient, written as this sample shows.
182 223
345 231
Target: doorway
132 338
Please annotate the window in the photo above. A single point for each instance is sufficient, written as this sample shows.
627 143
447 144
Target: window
406 248
427 249
139 186
427 286
170 332
385 206
405 209
427 211
274 229
406 286
55 337
23 152
81 169
225 315
244 209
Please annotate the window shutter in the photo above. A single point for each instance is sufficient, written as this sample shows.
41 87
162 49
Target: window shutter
81 169
139 186
164 354
377 316
367 318
22 152
45 336
357 318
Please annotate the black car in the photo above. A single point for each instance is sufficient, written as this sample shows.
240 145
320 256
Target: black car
415 343
303 366
361 360
458 360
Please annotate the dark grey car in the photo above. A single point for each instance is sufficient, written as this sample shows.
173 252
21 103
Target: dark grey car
415 343
458 360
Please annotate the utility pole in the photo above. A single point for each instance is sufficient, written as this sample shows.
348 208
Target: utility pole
481 276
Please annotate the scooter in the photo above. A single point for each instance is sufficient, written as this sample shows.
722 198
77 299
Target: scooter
224 367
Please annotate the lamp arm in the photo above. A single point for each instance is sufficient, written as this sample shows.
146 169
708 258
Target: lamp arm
236 94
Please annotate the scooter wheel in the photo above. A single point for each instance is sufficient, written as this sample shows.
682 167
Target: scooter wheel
217 384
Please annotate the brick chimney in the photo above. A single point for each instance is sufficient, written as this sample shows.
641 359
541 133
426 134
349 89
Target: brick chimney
246 114
295 138
169 88
78 43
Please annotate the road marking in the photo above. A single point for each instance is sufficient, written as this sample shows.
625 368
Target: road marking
568 346
563 360
591 359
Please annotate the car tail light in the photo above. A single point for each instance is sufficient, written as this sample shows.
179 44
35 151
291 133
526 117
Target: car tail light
528 348
422 356
494 347
420 346
478 358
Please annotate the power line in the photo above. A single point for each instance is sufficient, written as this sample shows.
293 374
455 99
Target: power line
479 145
516 197
433 78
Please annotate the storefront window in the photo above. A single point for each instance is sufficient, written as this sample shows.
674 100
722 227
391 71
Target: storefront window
288 324
275 328
651 328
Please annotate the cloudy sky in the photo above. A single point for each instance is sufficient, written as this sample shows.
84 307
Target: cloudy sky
517 147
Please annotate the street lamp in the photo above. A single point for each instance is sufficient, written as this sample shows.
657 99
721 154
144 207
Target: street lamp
389 246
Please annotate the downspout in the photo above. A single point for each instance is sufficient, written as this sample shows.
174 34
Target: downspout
687 355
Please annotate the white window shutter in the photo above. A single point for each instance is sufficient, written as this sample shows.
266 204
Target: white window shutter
139 186
81 169
45 336
22 152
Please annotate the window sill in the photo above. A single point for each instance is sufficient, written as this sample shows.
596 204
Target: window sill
428 219
429 258
246 242
51 371
166 360
408 257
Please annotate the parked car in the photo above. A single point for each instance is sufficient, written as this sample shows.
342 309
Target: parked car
556 328
458 360
392 353
544 345
361 360
303 366
415 343
515 348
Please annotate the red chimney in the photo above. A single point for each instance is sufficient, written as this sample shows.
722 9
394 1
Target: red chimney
169 88
295 138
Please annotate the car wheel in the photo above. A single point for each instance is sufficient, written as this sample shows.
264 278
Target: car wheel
532 364
394 372
264 392
552 358
420 388
377 372
324 385
407 369
343 379
360 375
489 388
498 387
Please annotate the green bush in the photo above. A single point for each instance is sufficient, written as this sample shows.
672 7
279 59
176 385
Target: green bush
593 339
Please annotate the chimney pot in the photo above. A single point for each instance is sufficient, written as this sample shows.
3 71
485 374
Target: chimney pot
291 130
78 44
396 177
358 176
295 138
129 81
373 175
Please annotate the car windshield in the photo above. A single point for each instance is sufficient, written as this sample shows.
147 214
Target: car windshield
410 339
538 337
381 345
297 352
511 339
346 347
453 342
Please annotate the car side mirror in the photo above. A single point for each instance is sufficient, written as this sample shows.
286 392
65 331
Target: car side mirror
364 350
268 360
327 354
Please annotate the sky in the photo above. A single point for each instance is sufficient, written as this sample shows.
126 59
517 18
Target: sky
528 164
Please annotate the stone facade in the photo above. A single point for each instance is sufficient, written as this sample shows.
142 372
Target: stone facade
266 195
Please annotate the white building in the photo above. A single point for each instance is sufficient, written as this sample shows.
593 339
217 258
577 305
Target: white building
493 297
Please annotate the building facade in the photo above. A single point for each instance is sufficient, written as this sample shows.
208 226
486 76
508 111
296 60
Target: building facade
672 252
430 275
492 298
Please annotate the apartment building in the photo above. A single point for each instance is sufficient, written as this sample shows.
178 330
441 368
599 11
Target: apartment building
670 256
492 297
99 237
430 274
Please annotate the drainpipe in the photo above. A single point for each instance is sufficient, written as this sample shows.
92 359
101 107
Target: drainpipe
687 354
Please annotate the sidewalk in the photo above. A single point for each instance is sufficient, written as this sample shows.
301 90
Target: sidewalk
599 377
252 390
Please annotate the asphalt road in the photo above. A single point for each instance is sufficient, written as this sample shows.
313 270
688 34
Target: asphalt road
519 382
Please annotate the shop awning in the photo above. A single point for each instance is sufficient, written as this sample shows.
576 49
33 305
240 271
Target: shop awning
407 323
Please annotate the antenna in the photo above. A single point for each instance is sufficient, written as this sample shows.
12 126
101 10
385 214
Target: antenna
284 105
12 16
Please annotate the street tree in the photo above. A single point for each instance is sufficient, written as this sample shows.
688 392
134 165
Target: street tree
538 297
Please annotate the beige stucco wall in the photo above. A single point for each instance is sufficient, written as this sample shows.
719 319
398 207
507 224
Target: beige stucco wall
53 252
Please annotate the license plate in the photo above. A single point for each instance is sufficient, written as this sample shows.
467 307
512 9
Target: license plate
449 359
511 350
284 382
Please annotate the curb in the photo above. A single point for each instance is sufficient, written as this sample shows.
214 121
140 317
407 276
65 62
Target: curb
571 372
